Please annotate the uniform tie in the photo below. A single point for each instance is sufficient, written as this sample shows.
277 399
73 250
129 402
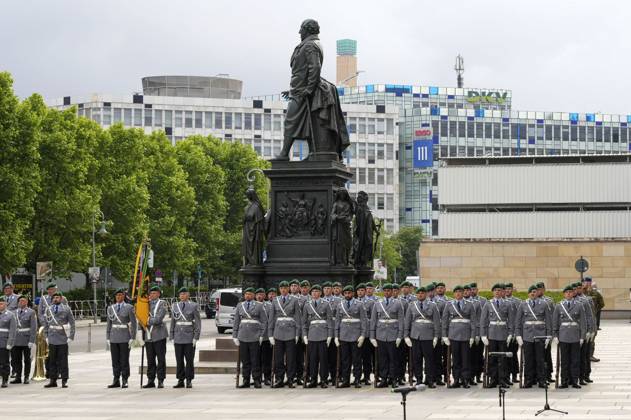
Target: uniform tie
387 301
283 300
348 304
56 307
316 303
118 307
532 303
248 305
421 305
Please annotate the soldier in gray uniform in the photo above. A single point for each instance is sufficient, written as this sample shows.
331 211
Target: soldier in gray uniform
386 335
513 362
297 291
7 338
45 302
351 329
476 362
156 339
368 351
119 335
592 328
317 334
569 328
496 330
284 327
186 327
10 297
422 331
533 320
440 354
550 305
333 300
250 326
266 347
59 329
26 324
458 325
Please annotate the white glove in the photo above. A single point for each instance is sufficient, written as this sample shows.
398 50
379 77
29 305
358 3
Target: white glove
108 344
30 345
141 342
194 342
272 341
130 342
328 341
408 341
9 347
555 340
398 342
260 340
297 339
235 341
373 342
337 342
446 341
70 340
547 343
581 341
46 340
360 341
485 340
477 340
305 340
593 337
509 339
520 341
434 342
471 340
588 336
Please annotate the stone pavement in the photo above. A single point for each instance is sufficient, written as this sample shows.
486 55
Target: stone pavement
214 396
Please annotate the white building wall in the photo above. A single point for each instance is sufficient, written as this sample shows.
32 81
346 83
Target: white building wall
535 225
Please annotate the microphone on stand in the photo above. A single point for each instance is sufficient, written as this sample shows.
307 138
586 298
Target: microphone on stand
501 353
406 389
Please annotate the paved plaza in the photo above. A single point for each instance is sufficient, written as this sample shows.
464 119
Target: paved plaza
215 397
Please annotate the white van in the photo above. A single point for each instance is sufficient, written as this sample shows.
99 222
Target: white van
415 280
226 301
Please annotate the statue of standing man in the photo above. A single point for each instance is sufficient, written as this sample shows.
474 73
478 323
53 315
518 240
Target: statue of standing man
313 112
253 238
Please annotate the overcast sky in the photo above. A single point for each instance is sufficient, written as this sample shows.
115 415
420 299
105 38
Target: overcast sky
554 55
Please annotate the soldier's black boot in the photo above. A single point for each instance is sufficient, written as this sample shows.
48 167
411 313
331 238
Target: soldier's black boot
588 380
160 383
17 380
180 384
115 383
382 383
52 383
465 383
346 383
5 381
26 380
478 379
582 382
245 384
323 385
150 384
257 383
124 385
431 385
312 384
280 384
64 383
563 385
575 385
357 383
189 384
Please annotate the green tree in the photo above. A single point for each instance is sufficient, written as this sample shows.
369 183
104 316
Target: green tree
171 207
122 179
62 222
390 256
209 182
19 172
407 240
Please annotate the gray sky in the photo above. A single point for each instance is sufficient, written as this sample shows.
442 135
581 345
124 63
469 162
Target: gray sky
555 55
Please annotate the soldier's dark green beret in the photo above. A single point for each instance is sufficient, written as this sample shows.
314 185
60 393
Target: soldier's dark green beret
3 299
440 284
326 284
430 287
502 285
360 286
294 281
249 290
369 284
421 289
49 285
27 297
155 289
509 285
337 284
406 284
395 286
568 288
58 294
348 288
541 285
587 279
260 290
7 284
578 284
387 286
458 287
473 285
497 286
183 290
316 287
305 283
272 289
120 290
467 287
283 284
531 288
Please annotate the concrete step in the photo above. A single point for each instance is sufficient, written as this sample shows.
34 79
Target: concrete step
216 368
225 344
218 355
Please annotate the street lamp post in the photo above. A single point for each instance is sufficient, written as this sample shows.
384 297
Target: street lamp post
102 232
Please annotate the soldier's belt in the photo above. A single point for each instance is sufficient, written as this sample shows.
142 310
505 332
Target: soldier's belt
497 323
351 320
284 318
249 321
56 327
388 321
535 323
120 326
184 323
4 330
569 324
461 320
318 321
424 321
23 329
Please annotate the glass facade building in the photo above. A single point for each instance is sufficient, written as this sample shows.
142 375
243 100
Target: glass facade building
475 122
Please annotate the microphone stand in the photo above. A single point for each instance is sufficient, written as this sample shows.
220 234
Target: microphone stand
546 407
501 390
404 396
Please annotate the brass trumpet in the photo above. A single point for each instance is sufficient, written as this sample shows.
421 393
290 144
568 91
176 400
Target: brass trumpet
40 356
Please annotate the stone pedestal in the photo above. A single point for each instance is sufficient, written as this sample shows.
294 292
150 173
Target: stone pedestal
364 275
299 238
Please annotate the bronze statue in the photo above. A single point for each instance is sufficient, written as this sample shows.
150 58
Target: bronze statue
313 113
341 237
363 234
253 230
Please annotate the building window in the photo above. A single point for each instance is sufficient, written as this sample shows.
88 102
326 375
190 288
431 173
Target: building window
107 116
96 115
188 119
178 119
361 175
257 121
138 117
380 151
381 177
199 119
118 115
389 202
208 119
228 120
381 126
148 118
389 152
362 126
238 124
267 122
599 134
218 120
168 118
157 118
381 205
389 126
352 125
277 122
247 121
371 126
371 152
371 176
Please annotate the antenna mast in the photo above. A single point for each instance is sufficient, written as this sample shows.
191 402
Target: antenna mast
459 67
